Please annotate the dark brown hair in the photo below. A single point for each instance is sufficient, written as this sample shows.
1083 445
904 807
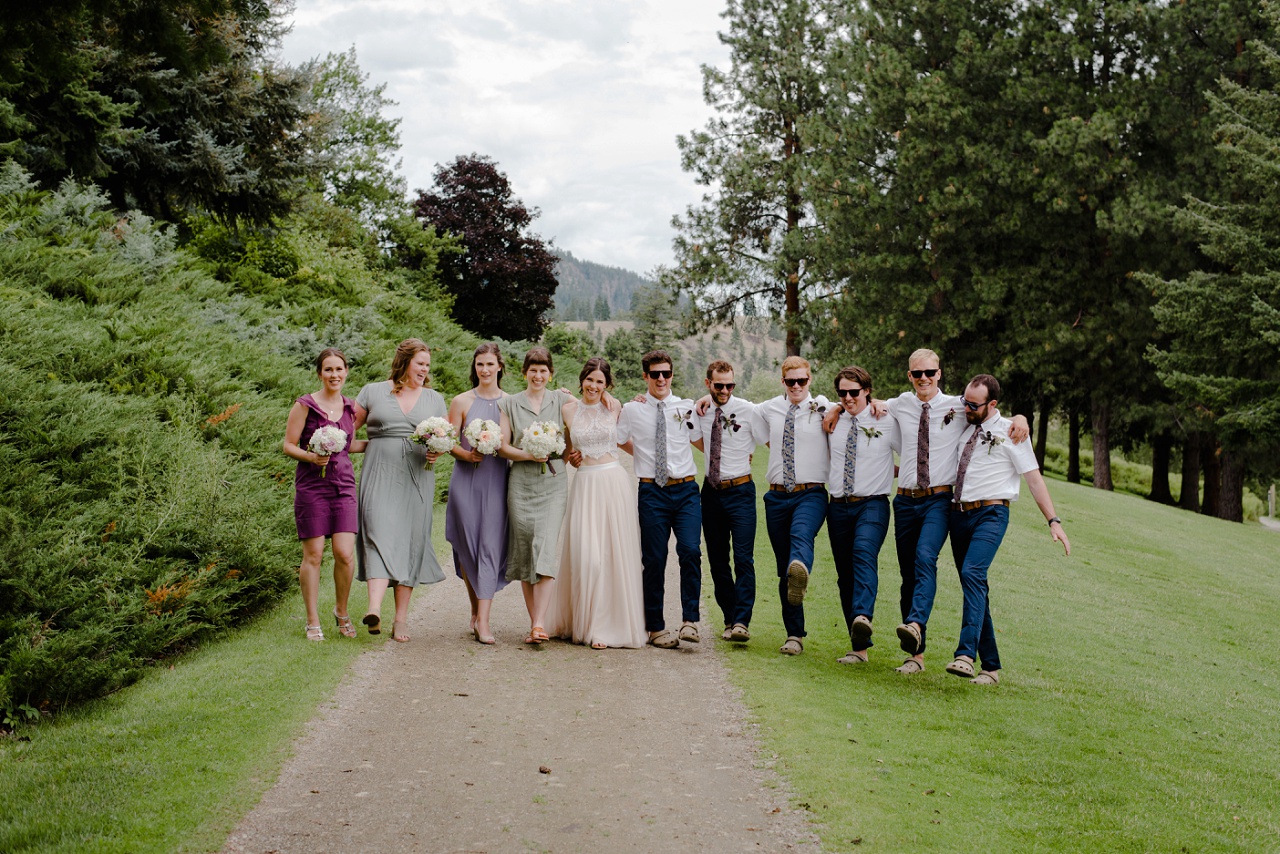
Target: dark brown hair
656 357
537 356
326 353
596 363
480 351
405 352
990 383
719 366
855 374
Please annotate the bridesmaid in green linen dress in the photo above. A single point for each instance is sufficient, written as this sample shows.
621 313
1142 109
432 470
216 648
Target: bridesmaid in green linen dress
397 488
535 498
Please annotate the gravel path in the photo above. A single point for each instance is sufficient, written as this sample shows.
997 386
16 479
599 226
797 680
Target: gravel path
446 745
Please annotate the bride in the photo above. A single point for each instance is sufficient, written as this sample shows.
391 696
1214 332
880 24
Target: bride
599 598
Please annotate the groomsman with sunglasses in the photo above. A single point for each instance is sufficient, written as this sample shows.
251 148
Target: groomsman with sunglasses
729 499
988 475
859 479
657 433
930 424
796 504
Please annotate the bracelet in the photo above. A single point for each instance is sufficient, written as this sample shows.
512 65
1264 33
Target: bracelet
1054 519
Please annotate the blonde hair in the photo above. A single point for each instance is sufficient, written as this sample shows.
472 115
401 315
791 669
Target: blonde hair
408 348
925 353
793 363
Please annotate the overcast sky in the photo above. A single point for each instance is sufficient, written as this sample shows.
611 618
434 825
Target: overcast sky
578 101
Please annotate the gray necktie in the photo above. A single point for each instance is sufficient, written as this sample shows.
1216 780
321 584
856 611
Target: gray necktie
789 448
850 457
660 447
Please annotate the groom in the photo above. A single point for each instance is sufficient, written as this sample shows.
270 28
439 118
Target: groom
657 433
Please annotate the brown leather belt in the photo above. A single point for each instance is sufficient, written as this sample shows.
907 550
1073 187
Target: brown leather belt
671 481
799 487
966 506
854 499
923 493
736 481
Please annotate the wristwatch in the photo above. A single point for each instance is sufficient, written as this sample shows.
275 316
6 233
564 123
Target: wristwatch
1054 519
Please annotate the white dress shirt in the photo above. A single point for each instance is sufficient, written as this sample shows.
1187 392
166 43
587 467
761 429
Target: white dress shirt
995 470
946 423
638 425
736 446
873 468
811 442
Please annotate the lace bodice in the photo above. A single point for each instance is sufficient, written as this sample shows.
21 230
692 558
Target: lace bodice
595 431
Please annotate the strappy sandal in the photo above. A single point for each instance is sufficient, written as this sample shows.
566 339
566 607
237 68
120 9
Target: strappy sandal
537 635
345 628
397 632
315 633
374 622
962 667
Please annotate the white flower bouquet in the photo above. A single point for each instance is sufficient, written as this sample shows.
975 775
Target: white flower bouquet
484 435
326 442
543 439
436 434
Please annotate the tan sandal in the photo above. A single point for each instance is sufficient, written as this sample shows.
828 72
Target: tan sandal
987 677
739 633
599 645
962 667
793 646
689 632
664 639
909 638
854 656
797 582
345 627
911 665
397 632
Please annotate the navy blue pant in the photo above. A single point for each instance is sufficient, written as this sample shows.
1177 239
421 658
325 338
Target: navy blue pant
920 529
793 520
663 511
730 515
975 537
857 532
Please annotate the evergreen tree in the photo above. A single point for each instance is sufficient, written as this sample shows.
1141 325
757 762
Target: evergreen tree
601 311
751 238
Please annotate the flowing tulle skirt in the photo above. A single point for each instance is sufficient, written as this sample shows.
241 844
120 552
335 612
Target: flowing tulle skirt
599 593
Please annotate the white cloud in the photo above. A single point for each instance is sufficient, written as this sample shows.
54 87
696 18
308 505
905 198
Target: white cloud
578 101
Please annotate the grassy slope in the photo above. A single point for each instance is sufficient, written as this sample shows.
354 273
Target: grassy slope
1137 711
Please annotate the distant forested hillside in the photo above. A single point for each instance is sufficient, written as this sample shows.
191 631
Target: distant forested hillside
590 291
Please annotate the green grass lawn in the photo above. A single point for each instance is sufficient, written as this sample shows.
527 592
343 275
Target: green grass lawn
1138 710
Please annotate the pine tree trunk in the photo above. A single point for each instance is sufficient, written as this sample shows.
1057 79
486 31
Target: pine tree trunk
1161 456
1042 431
1190 498
1231 495
1073 446
1212 476
1101 445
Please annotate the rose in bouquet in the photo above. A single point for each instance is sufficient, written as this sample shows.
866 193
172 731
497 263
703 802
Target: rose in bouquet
485 436
326 442
543 439
436 434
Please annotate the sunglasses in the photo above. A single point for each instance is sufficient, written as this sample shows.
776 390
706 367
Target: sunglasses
660 375
796 381
724 386
927 372
846 392
974 407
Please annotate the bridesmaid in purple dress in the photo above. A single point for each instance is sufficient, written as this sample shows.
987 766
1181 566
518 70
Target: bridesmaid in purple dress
324 503
475 521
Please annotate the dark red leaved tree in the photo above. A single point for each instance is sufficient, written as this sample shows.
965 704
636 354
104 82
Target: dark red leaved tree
505 282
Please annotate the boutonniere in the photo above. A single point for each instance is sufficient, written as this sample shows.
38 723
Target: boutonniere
730 422
871 433
815 409
685 417
990 439
949 417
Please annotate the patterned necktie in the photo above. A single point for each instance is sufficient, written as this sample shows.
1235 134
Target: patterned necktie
965 456
789 448
713 456
660 447
850 457
922 449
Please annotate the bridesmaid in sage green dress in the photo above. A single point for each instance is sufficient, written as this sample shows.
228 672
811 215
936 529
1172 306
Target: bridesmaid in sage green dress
397 486
535 497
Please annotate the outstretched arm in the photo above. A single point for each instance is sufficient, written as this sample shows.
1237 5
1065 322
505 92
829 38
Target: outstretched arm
1040 492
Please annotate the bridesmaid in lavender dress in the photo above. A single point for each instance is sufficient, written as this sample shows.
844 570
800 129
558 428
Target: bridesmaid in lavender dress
475 521
324 503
